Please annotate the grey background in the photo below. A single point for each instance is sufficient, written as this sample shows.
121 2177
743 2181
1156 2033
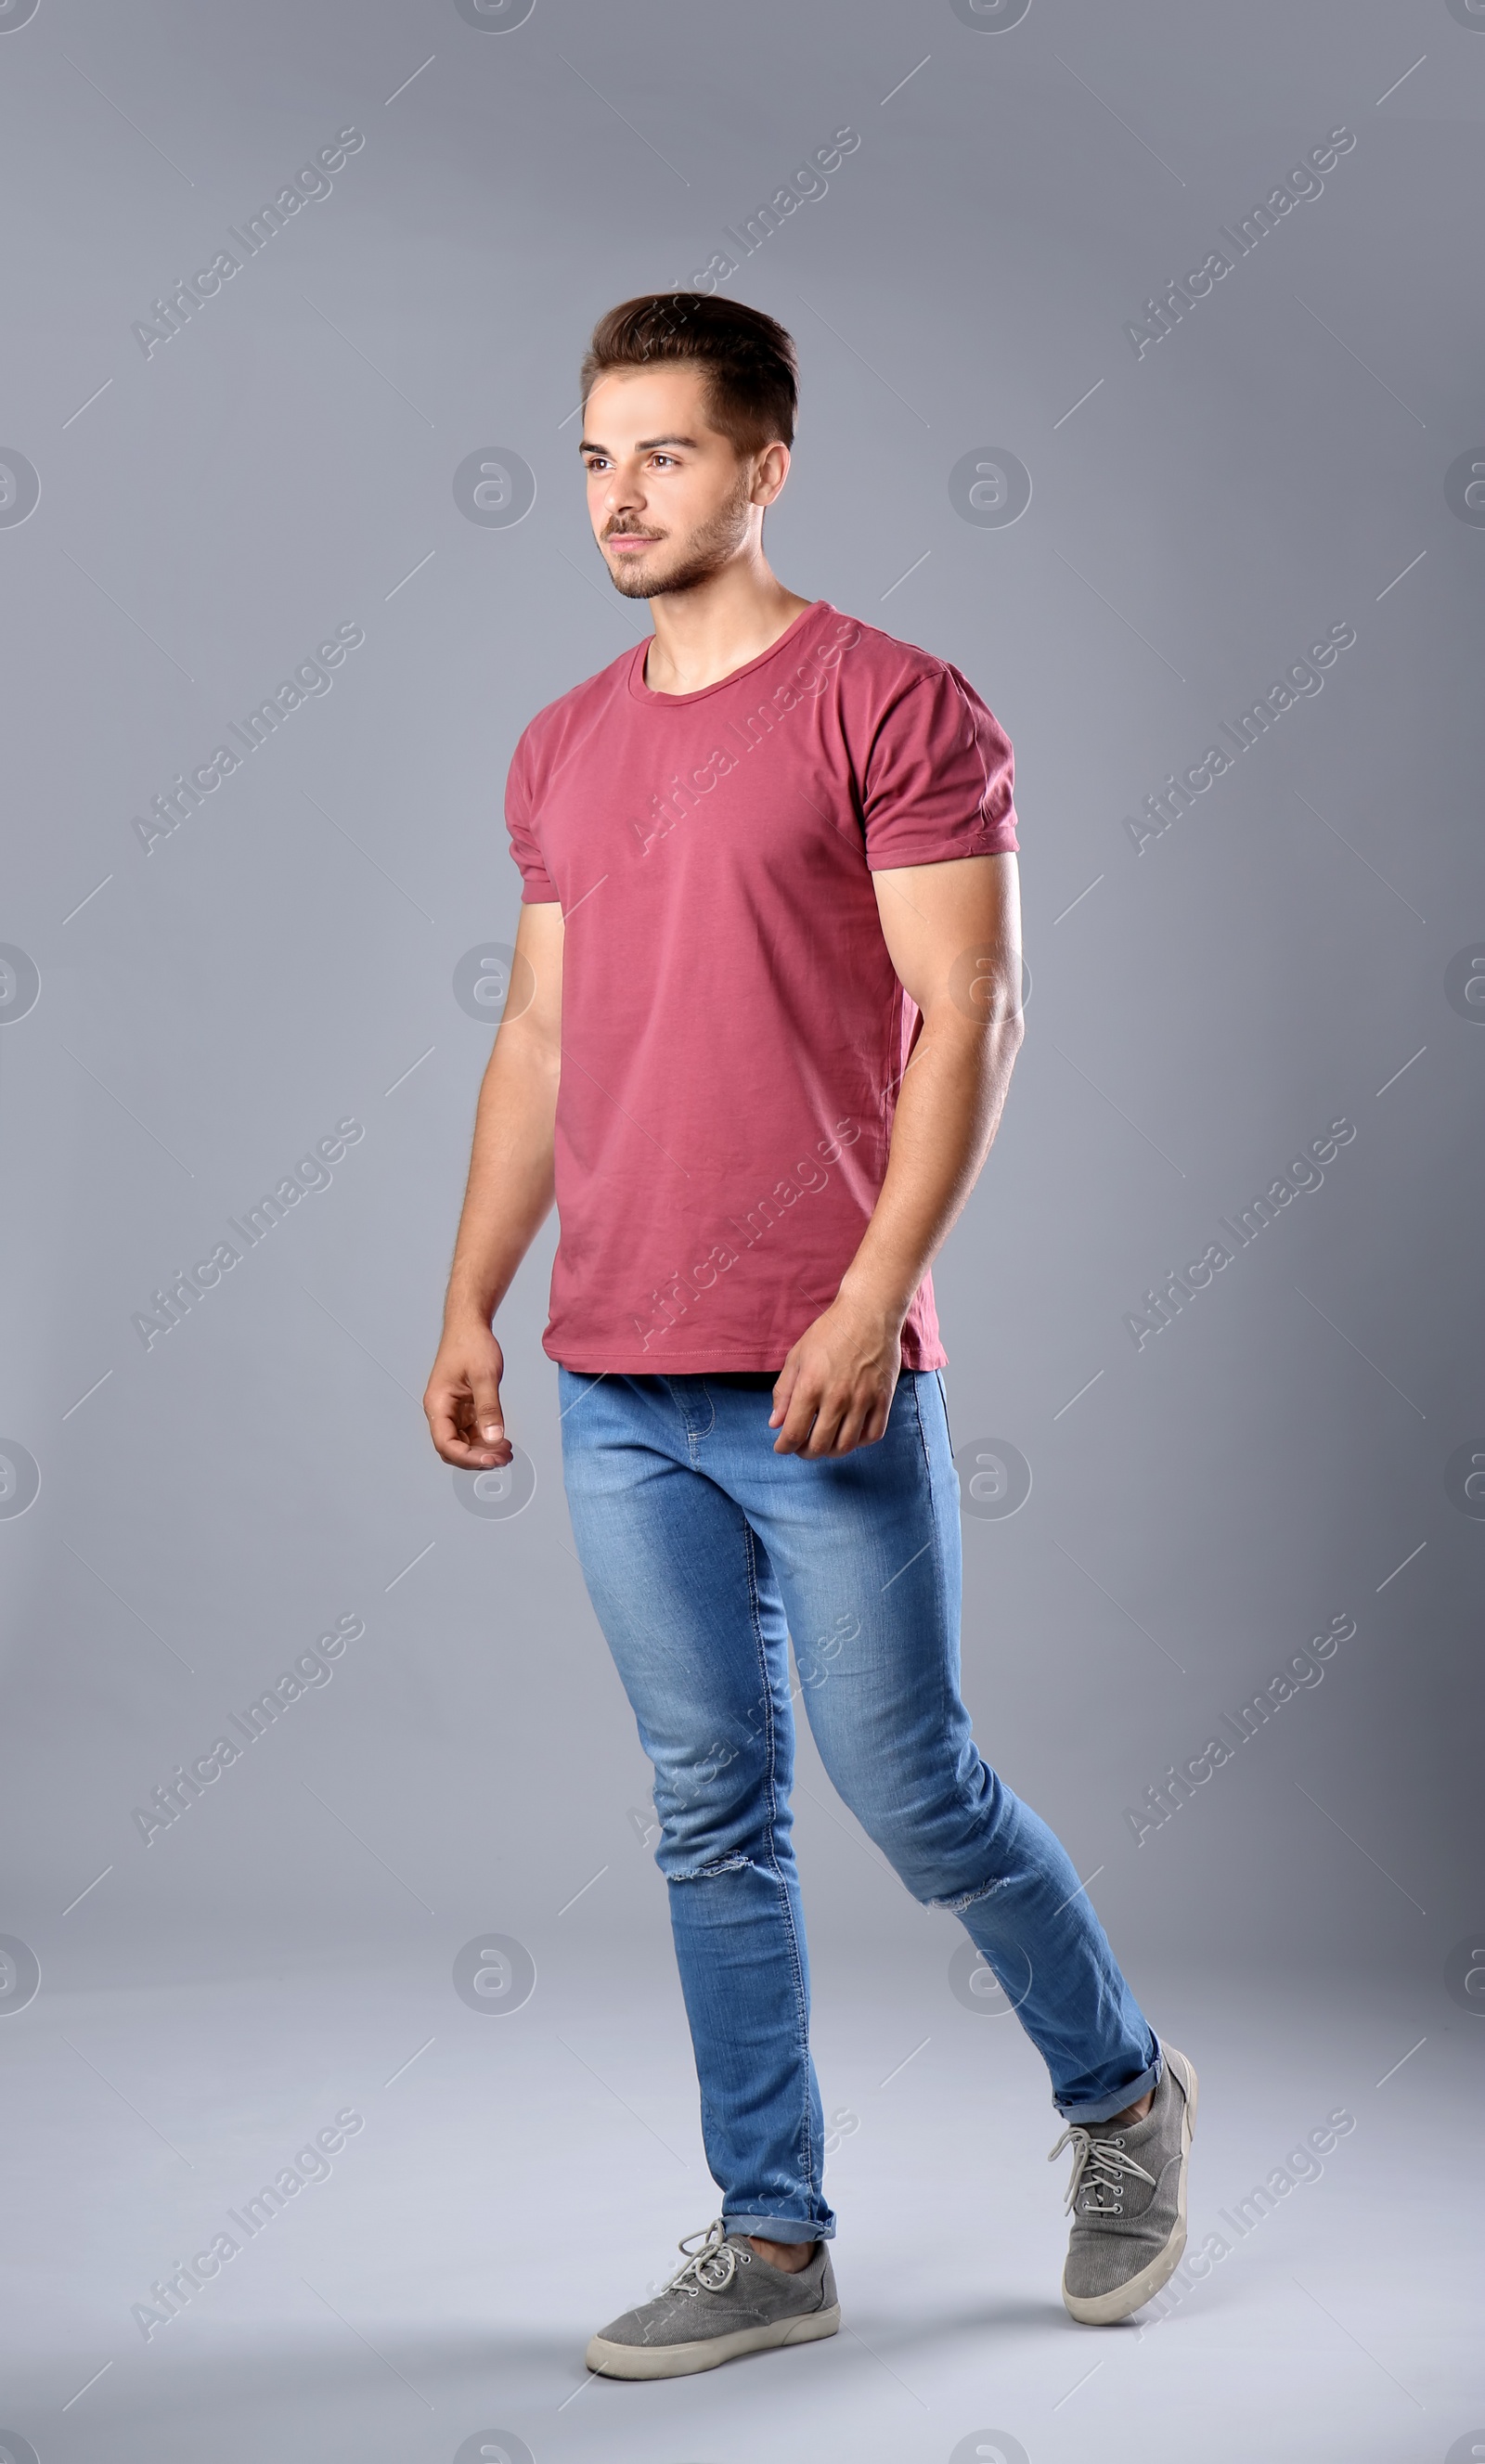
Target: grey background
1273 1460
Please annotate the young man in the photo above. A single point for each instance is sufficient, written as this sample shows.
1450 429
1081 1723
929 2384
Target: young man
758 1053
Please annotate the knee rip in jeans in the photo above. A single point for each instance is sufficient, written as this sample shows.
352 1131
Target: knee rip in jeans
963 1899
735 1864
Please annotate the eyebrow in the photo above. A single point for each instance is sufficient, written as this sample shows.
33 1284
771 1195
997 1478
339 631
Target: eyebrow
646 445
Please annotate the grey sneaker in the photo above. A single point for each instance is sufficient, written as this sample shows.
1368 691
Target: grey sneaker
726 2301
1127 2200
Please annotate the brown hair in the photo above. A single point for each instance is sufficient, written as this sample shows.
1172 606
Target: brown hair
746 359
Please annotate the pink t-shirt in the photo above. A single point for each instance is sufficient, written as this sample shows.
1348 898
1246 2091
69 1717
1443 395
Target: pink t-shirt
733 1029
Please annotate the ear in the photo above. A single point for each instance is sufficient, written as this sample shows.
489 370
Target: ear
773 467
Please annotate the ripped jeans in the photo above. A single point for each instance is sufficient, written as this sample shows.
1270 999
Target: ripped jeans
704 1553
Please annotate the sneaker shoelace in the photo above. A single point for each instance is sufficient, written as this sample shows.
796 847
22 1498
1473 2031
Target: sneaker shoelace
1103 2164
712 2267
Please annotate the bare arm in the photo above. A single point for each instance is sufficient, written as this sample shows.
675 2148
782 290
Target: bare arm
953 931
507 1200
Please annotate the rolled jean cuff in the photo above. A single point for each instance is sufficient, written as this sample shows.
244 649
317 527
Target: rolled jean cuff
1107 2105
782 2228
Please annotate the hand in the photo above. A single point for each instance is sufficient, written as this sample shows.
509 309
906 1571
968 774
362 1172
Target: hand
464 1400
834 1390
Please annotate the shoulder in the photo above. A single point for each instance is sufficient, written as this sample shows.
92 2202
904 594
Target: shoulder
559 723
887 666
881 672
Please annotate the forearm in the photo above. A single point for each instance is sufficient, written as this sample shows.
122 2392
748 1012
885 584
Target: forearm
949 1104
511 1185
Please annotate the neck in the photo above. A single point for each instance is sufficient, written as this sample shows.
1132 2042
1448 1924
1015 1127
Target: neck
703 634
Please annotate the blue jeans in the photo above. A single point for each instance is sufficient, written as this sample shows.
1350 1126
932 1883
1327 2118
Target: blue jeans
704 1553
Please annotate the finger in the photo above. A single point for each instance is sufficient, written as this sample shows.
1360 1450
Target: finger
832 1412
448 1408
795 1429
489 1419
851 1432
870 1419
440 1405
784 1386
477 1454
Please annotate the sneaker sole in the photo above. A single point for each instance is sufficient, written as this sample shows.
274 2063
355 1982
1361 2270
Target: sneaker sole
1106 2309
680 2361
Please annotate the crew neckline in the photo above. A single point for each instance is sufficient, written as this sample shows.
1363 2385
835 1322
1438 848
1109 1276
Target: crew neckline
645 692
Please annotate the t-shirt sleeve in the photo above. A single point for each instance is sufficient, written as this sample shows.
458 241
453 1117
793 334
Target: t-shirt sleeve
938 778
537 887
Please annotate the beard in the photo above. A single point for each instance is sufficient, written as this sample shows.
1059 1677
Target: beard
705 552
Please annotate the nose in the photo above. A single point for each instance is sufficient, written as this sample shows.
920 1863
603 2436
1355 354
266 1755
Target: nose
623 493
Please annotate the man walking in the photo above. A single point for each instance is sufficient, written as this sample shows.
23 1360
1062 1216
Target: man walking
764 1012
